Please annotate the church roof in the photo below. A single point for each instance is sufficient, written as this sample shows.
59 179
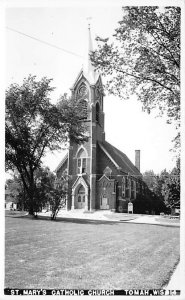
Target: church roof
62 162
119 159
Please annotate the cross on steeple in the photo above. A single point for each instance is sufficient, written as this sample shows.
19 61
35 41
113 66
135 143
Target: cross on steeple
89 24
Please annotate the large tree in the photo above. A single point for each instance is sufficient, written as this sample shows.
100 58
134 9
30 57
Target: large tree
171 188
34 126
144 59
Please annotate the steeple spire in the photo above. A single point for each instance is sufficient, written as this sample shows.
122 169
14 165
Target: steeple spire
88 68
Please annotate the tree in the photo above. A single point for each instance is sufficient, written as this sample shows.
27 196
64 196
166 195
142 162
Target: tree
171 188
15 188
155 183
149 178
58 195
34 126
144 59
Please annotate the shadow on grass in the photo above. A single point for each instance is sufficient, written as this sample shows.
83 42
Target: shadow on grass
85 221
64 220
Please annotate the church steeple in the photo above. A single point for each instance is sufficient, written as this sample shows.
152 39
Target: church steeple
88 69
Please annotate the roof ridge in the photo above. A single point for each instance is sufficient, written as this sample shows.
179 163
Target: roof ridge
108 155
131 166
62 162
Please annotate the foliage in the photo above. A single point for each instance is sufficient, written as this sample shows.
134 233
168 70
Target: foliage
155 182
149 178
57 196
165 187
14 187
44 182
148 203
33 126
171 188
57 200
141 204
144 59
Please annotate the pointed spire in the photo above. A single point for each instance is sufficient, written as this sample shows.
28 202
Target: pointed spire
88 68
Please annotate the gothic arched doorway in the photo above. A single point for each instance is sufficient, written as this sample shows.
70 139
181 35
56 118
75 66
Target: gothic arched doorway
81 197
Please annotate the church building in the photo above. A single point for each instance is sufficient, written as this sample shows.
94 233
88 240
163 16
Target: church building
100 177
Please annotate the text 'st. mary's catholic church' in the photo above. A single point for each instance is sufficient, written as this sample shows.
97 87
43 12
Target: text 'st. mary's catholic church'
99 175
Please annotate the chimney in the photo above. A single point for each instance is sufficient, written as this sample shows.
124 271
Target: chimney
137 159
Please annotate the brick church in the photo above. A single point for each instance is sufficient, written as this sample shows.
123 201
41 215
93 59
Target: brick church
99 175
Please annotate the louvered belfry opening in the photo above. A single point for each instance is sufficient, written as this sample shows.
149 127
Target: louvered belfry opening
83 106
97 112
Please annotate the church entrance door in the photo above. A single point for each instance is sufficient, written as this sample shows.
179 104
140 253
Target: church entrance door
81 197
104 203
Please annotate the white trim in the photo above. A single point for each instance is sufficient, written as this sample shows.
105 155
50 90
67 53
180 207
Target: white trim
106 178
109 156
81 180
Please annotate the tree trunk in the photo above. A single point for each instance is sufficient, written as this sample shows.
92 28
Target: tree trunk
31 194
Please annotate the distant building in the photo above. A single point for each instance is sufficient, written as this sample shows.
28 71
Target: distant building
9 201
99 175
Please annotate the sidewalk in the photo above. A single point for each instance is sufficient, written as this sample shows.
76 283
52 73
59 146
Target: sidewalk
78 214
106 215
155 220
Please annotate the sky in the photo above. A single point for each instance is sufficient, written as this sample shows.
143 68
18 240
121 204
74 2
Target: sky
127 127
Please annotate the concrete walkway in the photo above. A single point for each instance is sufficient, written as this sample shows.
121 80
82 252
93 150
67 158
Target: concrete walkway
156 220
106 215
79 214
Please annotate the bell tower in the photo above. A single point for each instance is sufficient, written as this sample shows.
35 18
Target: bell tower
87 89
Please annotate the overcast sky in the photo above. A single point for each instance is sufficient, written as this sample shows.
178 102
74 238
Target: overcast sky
126 126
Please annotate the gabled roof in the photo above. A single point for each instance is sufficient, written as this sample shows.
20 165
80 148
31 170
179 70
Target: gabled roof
120 160
92 80
62 162
80 180
104 176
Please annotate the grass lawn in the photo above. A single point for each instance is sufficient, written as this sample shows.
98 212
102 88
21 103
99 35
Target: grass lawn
88 254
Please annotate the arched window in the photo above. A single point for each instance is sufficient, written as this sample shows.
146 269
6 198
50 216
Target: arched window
81 190
97 112
123 187
81 162
127 187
